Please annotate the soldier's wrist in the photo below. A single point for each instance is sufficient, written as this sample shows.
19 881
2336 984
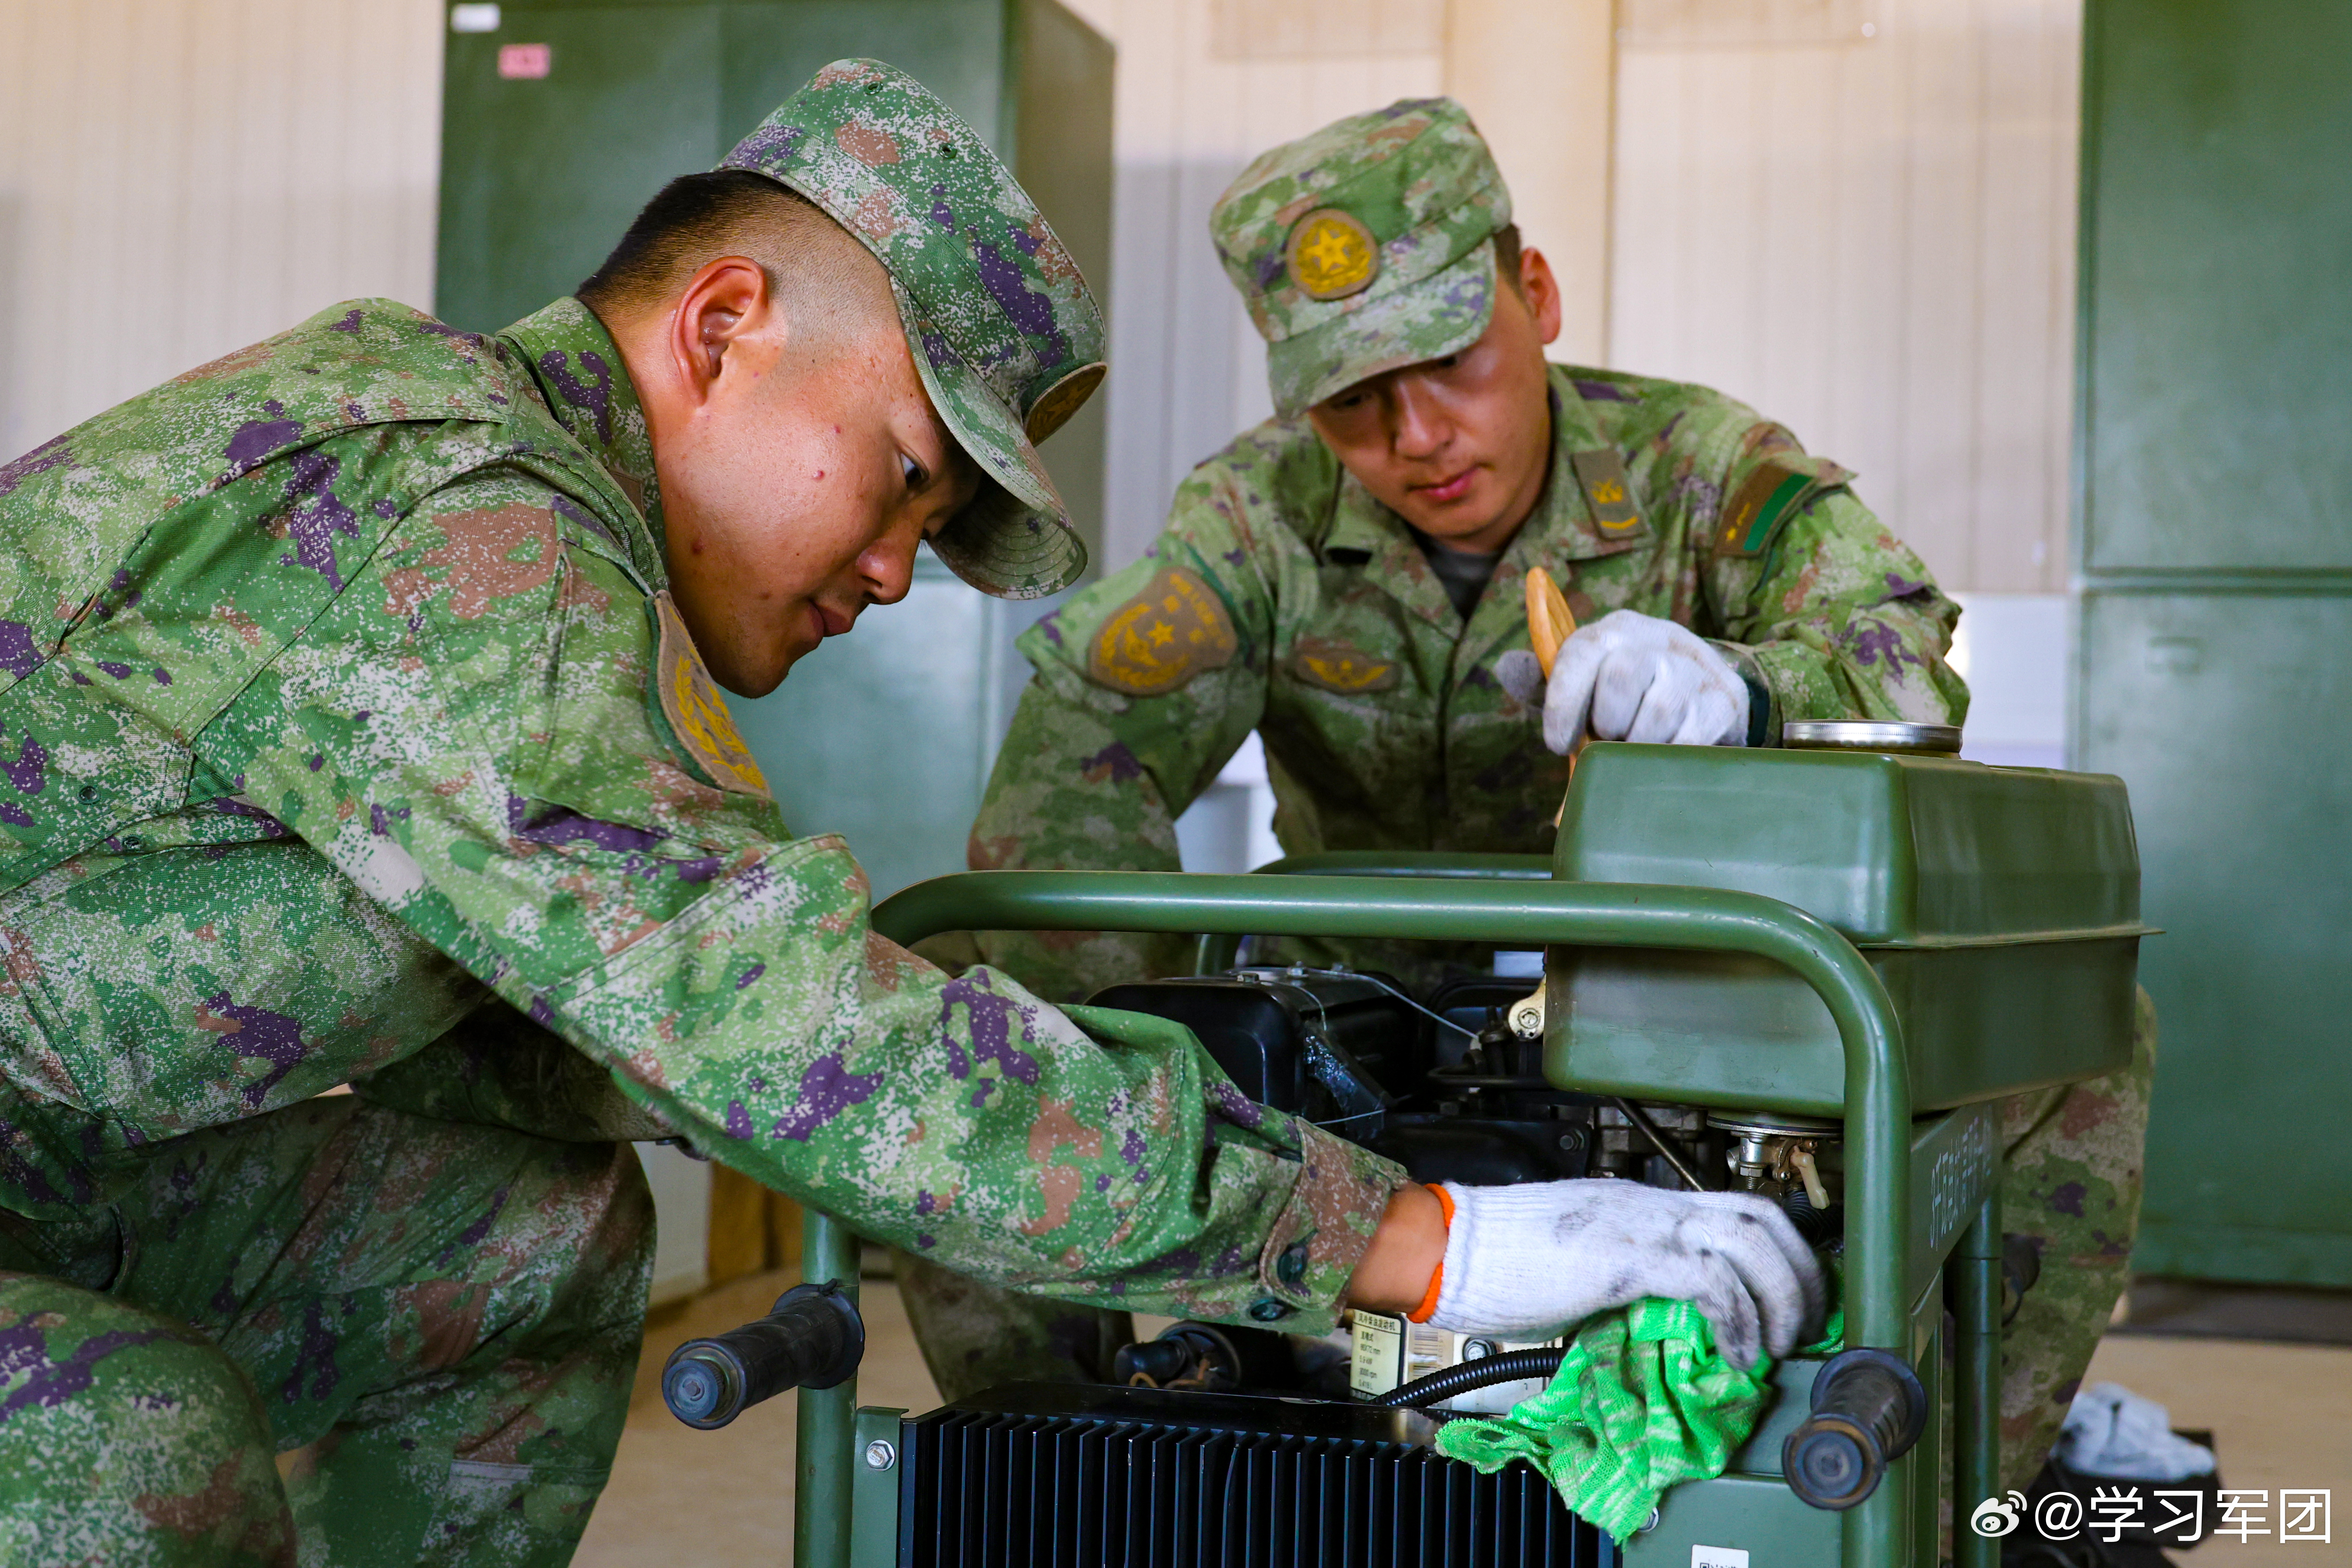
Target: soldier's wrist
1398 1274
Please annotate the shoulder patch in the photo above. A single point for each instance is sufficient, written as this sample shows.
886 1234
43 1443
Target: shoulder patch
1772 492
1336 667
697 712
1154 643
1608 491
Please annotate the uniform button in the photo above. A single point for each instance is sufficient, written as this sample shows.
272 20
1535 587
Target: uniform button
88 791
1269 1310
1291 1267
132 841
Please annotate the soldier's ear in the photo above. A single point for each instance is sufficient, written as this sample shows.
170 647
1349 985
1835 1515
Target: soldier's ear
1540 289
723 302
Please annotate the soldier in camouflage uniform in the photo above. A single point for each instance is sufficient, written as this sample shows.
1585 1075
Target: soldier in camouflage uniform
1389 680
354 731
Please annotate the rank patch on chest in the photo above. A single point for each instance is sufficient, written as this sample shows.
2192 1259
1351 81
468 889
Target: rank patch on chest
1608 491
1336 667
1162 638
1331 254
698 714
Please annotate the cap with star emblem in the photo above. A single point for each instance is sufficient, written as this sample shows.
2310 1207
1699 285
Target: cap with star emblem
1007 338
1365 245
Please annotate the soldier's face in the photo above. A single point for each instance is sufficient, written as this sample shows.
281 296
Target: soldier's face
798 479
1459 447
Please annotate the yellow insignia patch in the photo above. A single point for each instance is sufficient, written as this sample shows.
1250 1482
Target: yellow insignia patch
697 712
1609 491
1336 667
1162 638
1331 254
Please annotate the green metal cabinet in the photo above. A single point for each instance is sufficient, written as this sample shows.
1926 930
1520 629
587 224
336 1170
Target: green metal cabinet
2214 610
885 736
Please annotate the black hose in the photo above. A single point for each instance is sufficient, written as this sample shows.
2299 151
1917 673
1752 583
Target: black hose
1511 1366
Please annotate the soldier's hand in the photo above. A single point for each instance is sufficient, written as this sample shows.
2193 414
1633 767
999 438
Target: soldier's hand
1525 1262
1632 677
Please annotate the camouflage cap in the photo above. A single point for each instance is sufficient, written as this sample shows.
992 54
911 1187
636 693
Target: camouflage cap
1006 337
1365 245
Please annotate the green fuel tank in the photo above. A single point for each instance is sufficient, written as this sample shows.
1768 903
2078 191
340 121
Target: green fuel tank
1999 907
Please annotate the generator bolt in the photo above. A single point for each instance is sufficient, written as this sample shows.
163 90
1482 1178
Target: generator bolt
881 1455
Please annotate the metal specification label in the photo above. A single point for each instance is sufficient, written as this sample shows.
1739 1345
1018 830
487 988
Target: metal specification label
1376 1359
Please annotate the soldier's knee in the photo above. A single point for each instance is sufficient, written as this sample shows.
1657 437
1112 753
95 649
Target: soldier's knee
116 1368
131 1435
197 1377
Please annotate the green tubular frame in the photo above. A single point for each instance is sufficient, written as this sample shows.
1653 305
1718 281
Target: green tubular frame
1499 902
825 1423
1220 951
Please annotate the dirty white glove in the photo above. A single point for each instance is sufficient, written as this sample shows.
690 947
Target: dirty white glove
1633 678
1524 1262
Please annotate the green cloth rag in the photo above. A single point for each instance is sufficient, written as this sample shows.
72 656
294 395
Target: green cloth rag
1642 1400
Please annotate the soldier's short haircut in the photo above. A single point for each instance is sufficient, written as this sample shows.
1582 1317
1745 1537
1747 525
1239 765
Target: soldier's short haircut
823 277
1507 258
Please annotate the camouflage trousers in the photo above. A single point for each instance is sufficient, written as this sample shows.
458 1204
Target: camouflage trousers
442 1319
2077 1167
975 1336
2073 1189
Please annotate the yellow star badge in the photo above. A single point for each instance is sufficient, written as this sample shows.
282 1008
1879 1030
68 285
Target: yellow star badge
1331 254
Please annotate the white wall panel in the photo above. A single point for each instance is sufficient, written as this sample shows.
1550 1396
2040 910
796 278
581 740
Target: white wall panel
180 178
1539 79
1872 241
1188 371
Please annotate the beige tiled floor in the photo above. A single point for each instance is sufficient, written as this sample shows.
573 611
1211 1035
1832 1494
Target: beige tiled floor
2281 1415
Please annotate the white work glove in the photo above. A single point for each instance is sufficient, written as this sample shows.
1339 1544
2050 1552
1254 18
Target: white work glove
1525 1262
1633 678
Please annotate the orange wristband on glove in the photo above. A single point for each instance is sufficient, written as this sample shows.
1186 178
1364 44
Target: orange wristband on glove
1422 1313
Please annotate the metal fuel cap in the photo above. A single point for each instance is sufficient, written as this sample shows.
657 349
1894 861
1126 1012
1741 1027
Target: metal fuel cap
1871 735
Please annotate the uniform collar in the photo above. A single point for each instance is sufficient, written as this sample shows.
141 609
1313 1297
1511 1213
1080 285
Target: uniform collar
1560 529
1366 532
586 385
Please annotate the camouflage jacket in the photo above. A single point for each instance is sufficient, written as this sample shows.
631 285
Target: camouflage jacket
1282 597
344 696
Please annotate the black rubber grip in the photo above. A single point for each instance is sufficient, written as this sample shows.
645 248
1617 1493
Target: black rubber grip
1511 1366
1162 1362
1869 1407
813 1339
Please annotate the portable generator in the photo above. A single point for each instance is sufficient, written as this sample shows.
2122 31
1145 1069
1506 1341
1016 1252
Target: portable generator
1807 972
